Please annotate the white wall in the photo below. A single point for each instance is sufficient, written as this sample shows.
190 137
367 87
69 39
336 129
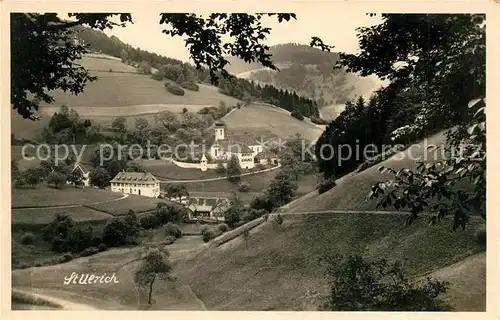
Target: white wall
149 190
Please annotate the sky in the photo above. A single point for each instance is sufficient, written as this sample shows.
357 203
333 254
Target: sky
334 28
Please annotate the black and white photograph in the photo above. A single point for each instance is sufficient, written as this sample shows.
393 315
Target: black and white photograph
317 160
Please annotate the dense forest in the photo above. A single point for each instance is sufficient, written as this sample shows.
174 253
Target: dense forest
232 86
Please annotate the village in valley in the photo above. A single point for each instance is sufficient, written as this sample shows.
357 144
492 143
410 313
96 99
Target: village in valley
196 194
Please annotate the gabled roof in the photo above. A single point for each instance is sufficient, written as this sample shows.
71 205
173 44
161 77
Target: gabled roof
247 139
131 177
233 147
82 167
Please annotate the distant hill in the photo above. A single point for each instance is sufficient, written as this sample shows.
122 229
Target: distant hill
309 72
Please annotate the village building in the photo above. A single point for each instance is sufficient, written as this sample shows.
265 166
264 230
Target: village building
139 183
244 146
208 207
85 173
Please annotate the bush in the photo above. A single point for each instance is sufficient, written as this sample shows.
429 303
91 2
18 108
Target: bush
278 220
223 227
356 284
220 168
169 240
481 237
244 187
326 184
149 221
175 89
28 238
318 120
158 75
172 229
102 247
89 251
190 85
115 233
67 257
207 236
297 115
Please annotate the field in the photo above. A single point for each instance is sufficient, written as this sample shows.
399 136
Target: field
278 267
137 203
266 121
45 196
46 215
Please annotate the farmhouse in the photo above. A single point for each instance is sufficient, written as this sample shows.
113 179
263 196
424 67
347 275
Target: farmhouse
208 207
140 183
244 146
85 173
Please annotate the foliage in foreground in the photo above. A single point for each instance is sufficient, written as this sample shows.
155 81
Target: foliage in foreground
357 284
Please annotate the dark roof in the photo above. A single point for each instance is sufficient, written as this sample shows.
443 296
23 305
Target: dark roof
247 139
83 167
220 123
233 146
142 177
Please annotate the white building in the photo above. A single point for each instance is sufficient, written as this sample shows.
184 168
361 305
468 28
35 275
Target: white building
85 173
140 183
244 146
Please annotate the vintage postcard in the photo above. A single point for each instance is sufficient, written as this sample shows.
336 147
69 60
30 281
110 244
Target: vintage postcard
319 157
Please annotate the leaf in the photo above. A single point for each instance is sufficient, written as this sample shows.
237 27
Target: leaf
472 103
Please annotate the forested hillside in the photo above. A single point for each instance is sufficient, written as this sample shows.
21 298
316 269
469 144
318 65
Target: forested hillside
309 72
160 67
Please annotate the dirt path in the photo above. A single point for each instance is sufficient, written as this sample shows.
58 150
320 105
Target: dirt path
65 304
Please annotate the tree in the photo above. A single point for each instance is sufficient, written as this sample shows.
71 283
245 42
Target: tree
33 176
356 284
142 125
57 179
99 177
153 265
281 189
233 214
119 124
132 224
115 232
43 33
233 169
184 110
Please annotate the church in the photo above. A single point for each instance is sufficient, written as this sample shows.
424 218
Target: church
244 146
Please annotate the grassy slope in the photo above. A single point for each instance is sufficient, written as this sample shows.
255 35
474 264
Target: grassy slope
277 267
134 94
351 191
42 216
44 196
122 295
262 120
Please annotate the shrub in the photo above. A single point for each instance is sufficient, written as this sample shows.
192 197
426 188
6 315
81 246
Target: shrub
220 168
89 251
356 284
67 257
115 233
96 241
170 212
244 187
481 237
169 240
79 239
28 238
175 89
326 184
102 247
207 236
149 221
297 115
172 229
223 227
318 120
204 229
278 220
190 85
158 75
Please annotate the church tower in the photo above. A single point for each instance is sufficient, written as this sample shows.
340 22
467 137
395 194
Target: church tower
220 130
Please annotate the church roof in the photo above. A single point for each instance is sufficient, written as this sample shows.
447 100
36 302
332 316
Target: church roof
129 177
233 146
247 139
